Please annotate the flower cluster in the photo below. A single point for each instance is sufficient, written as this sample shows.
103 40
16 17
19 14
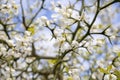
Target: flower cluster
73 42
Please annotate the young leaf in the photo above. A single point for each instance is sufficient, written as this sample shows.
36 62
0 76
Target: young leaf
109 68
32 30
117 73
69 78
103 70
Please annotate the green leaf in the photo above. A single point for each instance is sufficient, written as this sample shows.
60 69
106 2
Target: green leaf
118 53
69 78
100 26
67 69
109 68
52 61
32 30
103 70
117 73
67 27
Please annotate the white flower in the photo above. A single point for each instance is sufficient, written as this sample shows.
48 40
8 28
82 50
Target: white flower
100 41
76 15
44 18
57 9
21 65
54 16
2 49
11 43
17 55
94 75
18 38
48 23
53 5
100 63
30 59
61 39
110 77
58 32
27 33
75 74
75 43
9 78
69 11
65 14
116 48
24 75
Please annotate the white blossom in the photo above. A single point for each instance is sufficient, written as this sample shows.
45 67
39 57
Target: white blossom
43 18
11 42
75 43
110 77
116 48
75 74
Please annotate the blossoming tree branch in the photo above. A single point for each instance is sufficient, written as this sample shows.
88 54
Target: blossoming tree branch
60 39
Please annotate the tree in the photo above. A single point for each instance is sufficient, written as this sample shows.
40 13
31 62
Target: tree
59 40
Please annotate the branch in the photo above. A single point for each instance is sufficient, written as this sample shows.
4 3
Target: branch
4 42
23 15
5 29
103 33
96 14
36 13
39 57
58 63
108 4
78 26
